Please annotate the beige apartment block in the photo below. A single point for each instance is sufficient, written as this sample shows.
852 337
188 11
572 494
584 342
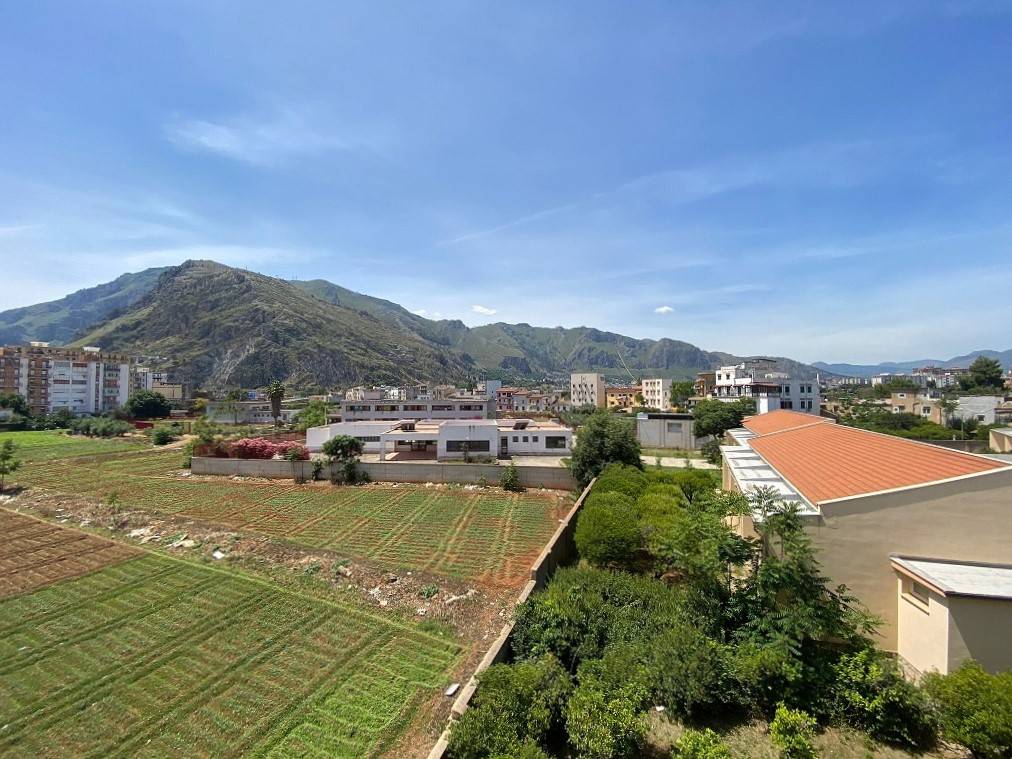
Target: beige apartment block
587 389
657 393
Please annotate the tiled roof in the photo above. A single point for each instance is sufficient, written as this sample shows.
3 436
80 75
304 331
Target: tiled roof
781 419
828 461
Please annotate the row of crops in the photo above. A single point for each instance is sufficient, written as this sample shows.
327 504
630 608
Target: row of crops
480 534
156 656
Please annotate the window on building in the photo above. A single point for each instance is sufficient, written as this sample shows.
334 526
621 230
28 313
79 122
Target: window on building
472 446
919 591
441 407
674 426
526 440
368 438
534 439
516 439
554 441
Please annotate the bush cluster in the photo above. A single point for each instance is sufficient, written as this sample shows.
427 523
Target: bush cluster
974 708
259 448
98 426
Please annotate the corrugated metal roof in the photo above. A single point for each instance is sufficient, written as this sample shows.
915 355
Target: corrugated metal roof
961 578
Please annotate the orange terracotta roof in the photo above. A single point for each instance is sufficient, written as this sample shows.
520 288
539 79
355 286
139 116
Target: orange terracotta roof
780 420
828 461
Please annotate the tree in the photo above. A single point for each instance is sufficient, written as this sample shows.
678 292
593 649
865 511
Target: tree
510 479
974 708
605 438
715 417
15 403
313 415
8 463
146 404
343 450
681 392
985 373
276 394
608 532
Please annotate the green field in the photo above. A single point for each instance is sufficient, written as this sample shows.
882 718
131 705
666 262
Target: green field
156 656
486 535
48 445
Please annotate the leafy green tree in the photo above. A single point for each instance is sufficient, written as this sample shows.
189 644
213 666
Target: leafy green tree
313 415
343 450
713 417
681 392
974 708
9 463
15 403
147 404
605 438
604 716
516 708
985 374
276 394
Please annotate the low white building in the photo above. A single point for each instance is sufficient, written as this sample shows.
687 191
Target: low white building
246 412
978 408
391 411
447 439
667 430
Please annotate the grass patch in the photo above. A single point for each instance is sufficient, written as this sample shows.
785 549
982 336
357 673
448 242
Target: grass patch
49 445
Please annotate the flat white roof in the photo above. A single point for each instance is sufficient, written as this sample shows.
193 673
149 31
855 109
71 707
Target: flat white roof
961 578
751 472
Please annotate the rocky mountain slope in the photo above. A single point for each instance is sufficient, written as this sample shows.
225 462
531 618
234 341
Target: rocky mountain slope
218 327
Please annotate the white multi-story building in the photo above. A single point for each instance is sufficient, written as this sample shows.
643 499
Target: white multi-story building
587 389
83 381
656 393
771 390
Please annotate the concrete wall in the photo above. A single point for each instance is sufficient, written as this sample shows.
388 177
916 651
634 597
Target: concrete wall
553 478
922 629
980 628
1001 441
654 433
560 550
964 520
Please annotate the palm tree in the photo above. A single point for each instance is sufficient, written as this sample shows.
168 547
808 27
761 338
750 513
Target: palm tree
276 393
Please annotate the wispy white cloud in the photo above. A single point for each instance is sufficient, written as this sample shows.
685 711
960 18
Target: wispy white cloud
483 310
428 314
664 310
271 139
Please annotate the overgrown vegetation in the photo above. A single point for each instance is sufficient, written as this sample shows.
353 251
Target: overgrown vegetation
669 606
604 438
714 418
99 426
9 462
510 479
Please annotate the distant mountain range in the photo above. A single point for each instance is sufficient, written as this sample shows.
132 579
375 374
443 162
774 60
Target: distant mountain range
899 367
219 326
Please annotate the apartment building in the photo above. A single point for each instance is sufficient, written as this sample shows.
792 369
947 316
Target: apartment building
771 390
925 403
587 389
895 521
657 393
80 380
144 378
940 376
464 407
622 397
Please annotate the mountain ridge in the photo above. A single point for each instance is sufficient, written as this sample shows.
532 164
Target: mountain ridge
219 326
893 367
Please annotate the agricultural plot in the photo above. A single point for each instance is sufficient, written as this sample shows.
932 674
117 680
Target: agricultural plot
49 445
34 553
153 656
491 536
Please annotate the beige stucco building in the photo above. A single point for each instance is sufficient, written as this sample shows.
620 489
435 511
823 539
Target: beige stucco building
867 498
587 389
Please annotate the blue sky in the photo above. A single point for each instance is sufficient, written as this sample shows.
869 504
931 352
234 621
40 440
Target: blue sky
825 181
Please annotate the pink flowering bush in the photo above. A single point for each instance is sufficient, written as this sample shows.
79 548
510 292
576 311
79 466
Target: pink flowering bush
253 448
291 450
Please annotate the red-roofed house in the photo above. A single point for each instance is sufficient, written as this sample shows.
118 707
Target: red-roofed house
867 497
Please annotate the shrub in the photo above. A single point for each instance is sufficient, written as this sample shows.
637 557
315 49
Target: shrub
162 436
317 469
510 479
516 707
146 404
711 451
604 716
700 744
98 426
607 531
584 611
687 671
253 448
793 733
342 447
292 451
621 478
871 694
974 708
